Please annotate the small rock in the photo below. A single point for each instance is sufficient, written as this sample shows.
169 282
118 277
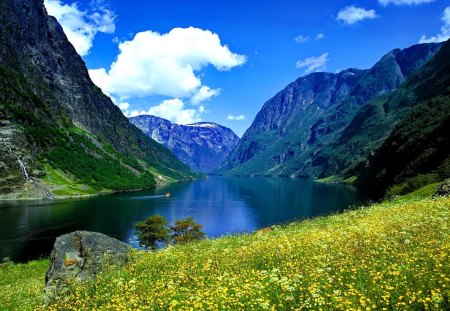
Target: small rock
79 256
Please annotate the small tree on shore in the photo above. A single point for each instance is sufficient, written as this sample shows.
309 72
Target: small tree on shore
153 230
186 230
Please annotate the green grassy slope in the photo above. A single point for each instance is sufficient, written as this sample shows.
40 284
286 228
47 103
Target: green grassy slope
92 164
392 255
415 154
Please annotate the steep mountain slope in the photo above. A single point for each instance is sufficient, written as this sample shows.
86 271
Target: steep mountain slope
65 131
203 146
310 113
416 151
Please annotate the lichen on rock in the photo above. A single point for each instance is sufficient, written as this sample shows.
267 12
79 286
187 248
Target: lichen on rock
79 256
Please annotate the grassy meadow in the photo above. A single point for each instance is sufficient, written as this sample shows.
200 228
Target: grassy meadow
388 256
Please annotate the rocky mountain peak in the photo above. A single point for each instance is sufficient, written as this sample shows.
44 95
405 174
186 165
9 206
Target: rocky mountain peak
203 146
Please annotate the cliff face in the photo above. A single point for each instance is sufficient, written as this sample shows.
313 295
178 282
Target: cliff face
203 146
45 88
310 113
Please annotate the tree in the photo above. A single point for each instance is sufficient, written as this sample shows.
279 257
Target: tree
186 230
153 230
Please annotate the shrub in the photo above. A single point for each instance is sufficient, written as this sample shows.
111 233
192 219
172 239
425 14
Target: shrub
152 231
186 230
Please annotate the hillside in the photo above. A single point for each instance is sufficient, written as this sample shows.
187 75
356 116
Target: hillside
69 136
410 127
203 146
340 262
310 113
417 148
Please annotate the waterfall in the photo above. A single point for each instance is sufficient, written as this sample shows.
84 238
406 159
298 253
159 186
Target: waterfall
23 169
24 172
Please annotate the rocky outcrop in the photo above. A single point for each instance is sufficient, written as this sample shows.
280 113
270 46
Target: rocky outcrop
310 113
203 146
79 256
443 190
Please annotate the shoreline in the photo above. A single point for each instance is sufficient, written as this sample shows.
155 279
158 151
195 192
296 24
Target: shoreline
87 195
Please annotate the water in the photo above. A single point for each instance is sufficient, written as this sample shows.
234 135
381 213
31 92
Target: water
23 169
223 205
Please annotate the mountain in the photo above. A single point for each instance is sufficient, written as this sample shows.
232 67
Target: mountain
58 127
202 146
415 122
293 127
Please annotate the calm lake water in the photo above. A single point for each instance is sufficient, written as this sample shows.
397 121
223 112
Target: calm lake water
223 205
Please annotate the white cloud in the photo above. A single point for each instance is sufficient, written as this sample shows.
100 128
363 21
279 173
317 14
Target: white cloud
301 38
236 118
314 63
166 64
204 93
445 29
172 110
124 106
352 14
80 26
403 2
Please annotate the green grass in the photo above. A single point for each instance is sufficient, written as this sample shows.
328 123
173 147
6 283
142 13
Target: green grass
22 285
421 193
336 179
394 255
62 184
350 180
329 179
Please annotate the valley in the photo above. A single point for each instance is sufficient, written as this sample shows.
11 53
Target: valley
217 156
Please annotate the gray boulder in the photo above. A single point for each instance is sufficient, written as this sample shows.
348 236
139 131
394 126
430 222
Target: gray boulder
443 190
79 256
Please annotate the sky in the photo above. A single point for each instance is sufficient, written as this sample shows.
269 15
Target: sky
220 61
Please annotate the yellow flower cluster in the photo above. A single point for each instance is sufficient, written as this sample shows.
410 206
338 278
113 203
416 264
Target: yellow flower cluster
392 256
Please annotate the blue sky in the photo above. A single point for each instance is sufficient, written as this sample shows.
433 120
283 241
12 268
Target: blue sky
170 62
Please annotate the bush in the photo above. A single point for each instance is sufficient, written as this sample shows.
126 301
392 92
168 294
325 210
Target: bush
152 231
186 230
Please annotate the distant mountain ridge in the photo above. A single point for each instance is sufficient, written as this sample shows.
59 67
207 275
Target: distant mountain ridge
63 129
203 146
294 126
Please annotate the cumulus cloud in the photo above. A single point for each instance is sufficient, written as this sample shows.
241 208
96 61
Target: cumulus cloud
124 106
314 63
351 15
81 26
445 29
173 110
166 64
203 94
236 118
403 2
320 36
